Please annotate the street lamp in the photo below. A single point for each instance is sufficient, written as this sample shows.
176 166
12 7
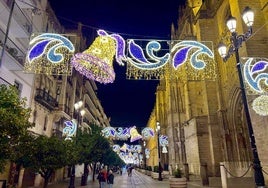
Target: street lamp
144 154
77 106
159 157
237 40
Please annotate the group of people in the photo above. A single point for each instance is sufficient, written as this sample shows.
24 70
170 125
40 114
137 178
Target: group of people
105 177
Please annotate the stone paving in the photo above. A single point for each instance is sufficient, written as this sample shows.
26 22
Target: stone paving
137 180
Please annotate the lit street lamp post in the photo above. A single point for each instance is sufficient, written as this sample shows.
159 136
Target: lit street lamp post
248 17
158 148
77 106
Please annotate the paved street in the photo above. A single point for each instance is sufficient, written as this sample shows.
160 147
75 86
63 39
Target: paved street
138 180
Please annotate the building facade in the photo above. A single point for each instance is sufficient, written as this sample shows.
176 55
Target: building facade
204 118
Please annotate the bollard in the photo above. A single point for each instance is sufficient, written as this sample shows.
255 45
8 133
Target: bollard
223 175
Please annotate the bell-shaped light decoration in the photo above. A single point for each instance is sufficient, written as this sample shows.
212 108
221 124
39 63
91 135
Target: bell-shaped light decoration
222 49
164 149
231 24
124 148
96 62
248 16
134 134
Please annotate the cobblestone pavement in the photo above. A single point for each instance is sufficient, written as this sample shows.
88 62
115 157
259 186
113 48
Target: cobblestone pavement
137 180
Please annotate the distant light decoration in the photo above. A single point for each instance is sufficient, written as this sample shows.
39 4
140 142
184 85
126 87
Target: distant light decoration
70 129
134 134
116 148
255 72
134 148
147 133
50 54
124 133
124 148
116 133
260 105
147 153
163 141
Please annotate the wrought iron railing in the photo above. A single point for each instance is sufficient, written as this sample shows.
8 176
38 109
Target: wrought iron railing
46 100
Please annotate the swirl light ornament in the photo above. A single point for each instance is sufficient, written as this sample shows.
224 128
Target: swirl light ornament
150 61
146 59
147 133
116 148
109 132
181 55
116 133
124 133
255 74
49 53
192 60
163 141
70 129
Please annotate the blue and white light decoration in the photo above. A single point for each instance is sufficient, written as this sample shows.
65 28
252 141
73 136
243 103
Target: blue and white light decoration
120 133
147 133
49 53
116 133
149 61
163 141
69 129
129 153
255 73
147 153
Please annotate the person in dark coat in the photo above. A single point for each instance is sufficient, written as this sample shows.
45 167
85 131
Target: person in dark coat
102 178
110 179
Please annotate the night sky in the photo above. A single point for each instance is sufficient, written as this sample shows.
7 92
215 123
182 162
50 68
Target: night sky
126 102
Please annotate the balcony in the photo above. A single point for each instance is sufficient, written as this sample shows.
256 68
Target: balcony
11 48
20 26
46 100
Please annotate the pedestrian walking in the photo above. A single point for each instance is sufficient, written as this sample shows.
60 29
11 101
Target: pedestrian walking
102 178
110 179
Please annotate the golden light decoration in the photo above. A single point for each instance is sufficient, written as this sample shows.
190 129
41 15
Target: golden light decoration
96 62
260 105
134 134
49 53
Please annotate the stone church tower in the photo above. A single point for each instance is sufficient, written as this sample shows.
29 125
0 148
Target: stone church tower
204 116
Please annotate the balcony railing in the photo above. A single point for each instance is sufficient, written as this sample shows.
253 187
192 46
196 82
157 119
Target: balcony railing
12 49
45 99
20 18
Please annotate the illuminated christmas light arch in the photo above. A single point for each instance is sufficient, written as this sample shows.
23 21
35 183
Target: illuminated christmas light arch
124 133
49 53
